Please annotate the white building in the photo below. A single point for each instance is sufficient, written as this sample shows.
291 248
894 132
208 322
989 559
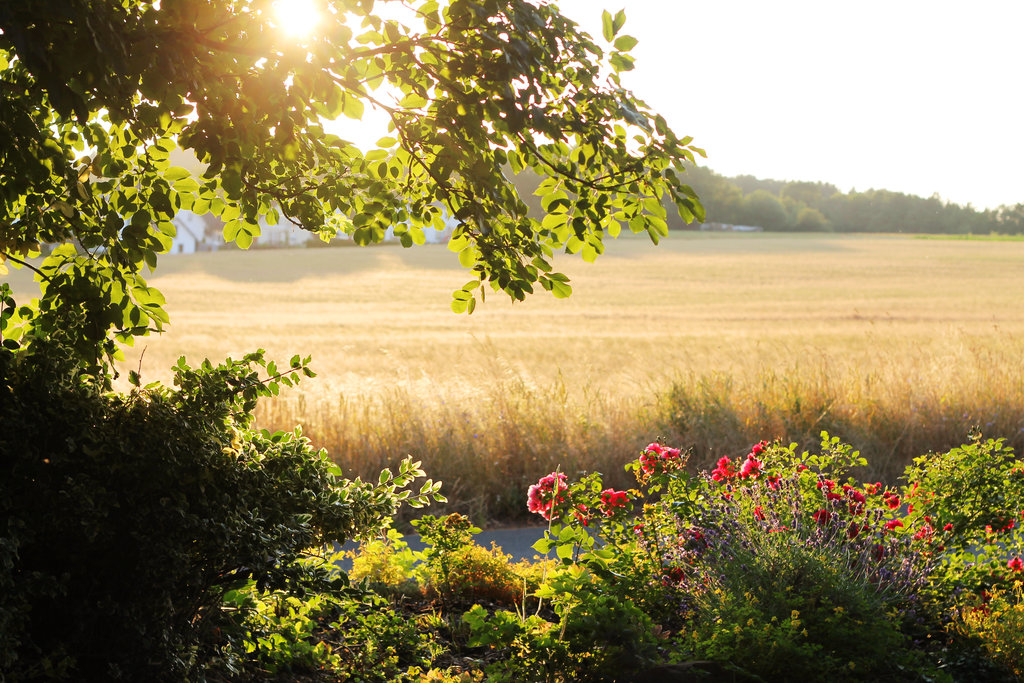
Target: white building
195 233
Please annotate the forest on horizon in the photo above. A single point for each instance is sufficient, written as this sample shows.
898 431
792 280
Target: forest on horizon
805 206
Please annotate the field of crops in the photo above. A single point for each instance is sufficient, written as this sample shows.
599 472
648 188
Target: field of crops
709 341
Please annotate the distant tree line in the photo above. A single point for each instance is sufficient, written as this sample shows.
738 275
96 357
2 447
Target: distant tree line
815 206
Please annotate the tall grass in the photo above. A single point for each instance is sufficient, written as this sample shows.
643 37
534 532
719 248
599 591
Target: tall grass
712 342
489 440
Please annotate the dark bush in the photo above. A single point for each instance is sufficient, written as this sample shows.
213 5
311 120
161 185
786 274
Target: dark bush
124 518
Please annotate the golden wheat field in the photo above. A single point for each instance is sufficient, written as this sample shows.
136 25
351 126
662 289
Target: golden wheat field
710 341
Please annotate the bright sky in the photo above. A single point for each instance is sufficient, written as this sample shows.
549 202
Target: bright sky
907 95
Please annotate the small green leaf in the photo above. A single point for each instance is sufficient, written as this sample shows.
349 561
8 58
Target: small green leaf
175 173
561 290
619 22
625 43
607 26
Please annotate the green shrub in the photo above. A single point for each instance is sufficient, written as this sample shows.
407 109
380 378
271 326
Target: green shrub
129 516
994 623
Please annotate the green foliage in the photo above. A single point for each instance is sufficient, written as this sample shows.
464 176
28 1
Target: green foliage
977 491
387 564
475 573
98 96
994 623
129 517
352 638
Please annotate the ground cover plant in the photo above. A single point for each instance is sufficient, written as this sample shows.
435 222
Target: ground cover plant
779 564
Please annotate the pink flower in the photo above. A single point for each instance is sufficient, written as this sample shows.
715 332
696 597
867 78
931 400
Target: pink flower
751 467
1016 564
724 471
822 516
546 493
611 499
656 457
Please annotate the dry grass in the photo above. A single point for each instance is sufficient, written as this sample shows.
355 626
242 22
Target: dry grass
896 344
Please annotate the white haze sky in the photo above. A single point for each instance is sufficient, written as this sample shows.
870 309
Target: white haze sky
906 95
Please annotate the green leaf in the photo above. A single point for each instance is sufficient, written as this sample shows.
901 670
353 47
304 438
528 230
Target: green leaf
625 43
560 289
544 545
620 21
231 229
607 26
186 185
468 257
175 173
353 107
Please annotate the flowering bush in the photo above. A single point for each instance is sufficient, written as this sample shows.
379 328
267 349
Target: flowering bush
773 534
771 565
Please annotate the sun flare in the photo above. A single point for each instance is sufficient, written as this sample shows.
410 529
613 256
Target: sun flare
297 17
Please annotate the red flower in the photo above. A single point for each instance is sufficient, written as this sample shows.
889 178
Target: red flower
656 457
823 483
759 448
857 500
751 467
1016 564
724 471
948 527
924 532
758 512
546 493
822 516
879 552
892 524
800 467
853 530
773 482
611 499
675 574
892 500
582 514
